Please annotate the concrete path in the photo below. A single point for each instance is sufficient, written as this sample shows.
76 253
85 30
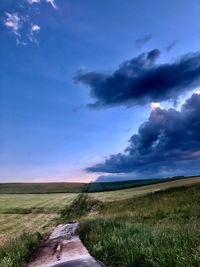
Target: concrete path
64 249
87 262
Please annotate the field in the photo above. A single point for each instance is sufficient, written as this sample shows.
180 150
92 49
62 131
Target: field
142 190
156 229
13 225
28 203
41 188
30 212
151 225
109 186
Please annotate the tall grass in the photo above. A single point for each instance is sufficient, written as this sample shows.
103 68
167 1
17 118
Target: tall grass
17 251
118 243
160 229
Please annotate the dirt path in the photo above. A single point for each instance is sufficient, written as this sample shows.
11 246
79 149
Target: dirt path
64 248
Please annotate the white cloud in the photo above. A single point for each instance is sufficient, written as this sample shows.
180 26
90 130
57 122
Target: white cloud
197 92
52 2
34 28
21 25
33 1
155 106
13 21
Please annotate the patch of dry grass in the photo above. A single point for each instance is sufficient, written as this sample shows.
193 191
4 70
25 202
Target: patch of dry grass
13 225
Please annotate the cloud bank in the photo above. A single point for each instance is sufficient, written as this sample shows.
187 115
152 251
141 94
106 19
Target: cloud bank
167 143
141 80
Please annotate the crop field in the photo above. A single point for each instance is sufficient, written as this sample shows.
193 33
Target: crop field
141 190
30 213
109 186
158 228
26 203
41 188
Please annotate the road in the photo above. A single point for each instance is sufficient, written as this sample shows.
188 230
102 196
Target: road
64 249
87 262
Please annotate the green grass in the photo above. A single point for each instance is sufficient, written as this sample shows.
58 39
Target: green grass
142 226
13 225
31 212
41 188
159 229
118 243
18 251
109 186
25 220
142 190
27 203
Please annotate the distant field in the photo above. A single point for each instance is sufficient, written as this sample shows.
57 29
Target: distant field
16 203
110 186
142 190
31 188
30 213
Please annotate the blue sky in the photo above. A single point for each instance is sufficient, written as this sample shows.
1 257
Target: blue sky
48 133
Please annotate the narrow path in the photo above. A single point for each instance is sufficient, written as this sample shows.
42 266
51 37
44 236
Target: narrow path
64 249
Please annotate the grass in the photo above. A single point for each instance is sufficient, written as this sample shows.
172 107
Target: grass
142 190
31 212
13 225
158 229
26 220
17 251
142 226
26 203
41 188
109 186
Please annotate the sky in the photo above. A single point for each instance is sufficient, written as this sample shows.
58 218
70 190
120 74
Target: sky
99 90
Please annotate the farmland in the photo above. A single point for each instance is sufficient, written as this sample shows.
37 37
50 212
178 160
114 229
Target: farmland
142 190
27 203
41 188
30 212
109 186
13 225
22 216
150 225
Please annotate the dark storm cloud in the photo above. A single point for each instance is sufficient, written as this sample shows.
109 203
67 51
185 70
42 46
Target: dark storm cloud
142 41
168 142
141 80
